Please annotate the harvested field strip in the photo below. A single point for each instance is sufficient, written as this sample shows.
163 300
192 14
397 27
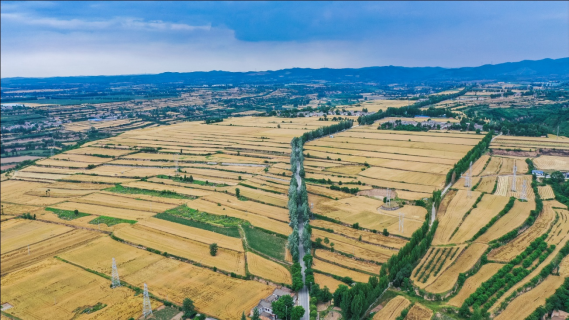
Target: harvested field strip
267 269
227 260
521 242
525 304
279 200
428 179
333 269
561 229
22 233
58 193
465 261
503 184
347 262
196 234
359 249
103 151
450 216
419 312
109 200
487 208
34 290
80 158
377 158
19 258
280 214
472 283
168 278
551 163
479 165
493 166
379 183
103 210
374 238
96 179
545 192
327 281
392 309
512 220
486 184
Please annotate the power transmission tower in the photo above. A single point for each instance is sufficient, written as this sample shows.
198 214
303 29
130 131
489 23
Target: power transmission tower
388 198
470 175
514 178
146 306
115 282
523 196
401 219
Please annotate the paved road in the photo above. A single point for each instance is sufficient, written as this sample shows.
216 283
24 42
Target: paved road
303 294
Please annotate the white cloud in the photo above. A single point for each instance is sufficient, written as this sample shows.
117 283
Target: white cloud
125 23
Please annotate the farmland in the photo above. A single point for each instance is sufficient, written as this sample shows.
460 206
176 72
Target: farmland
392 309
200 210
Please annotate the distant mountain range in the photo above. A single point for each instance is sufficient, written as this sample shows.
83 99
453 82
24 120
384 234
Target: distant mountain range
528 70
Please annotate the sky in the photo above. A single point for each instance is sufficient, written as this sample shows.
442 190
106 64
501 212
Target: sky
45 39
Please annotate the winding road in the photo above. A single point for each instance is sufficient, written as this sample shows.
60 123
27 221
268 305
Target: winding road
303 294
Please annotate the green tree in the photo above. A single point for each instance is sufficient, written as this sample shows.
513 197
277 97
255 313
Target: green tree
297 313
385 232
243 316
256 315
201 317
76 212
283 307
557 177
213 249
191 179
188 308
237 192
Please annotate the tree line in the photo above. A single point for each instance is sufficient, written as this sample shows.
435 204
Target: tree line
471 156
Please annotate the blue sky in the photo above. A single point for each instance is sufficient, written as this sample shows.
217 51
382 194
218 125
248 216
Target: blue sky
103 38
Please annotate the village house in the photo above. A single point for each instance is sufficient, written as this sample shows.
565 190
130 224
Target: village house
265 306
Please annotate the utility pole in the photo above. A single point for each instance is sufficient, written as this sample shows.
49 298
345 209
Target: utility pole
146 306
115 282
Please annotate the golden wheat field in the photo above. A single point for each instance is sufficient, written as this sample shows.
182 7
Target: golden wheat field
347 262
487 208
486 184
493 167
419 312
465 261
392 309
473 282
53 289
545 192
434 264
451 213
333 269
21 233
551 163
196 234
267 269
327 281
523 305
21 257
513 219
175 280
352 246
516 246
227 260
374 238
100 210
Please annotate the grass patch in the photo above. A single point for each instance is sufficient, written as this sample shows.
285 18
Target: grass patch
164 193
67 214
229 231
186 212
94 308
269 244
185 179
110 221
165 314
